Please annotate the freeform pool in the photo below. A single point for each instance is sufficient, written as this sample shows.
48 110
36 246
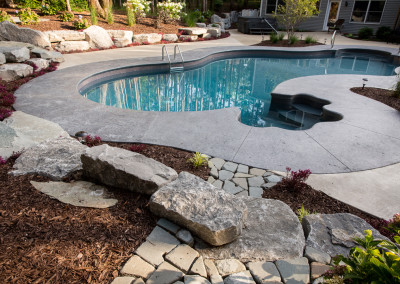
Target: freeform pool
243 82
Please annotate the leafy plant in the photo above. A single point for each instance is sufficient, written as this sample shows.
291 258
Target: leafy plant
92 141
281 36
310 39
137 148
372 261
274 37
293 39
198 160
110 17
295 181
169 11
397 88
27 16
93 15
394 224
130 17
47 9
81 23
66 16
302 212
5 17
4 113
2 161
7 99
139 8
365 33
383 33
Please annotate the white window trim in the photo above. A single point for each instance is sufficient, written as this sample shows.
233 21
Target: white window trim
367 23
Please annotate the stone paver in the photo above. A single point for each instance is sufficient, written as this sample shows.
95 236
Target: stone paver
150 253
182 257
218 184
243 277
198 267
242 182
138 267
229 166
256 181
211 179
224 175
138 281
211 268
165 274
214 172
257 172
243 169
294 271
243 193
317 269
168 225
195 279
231 188
264 272
123 280
185 236
229 266
274 178
217 162
315 255
268 185
256 191
243 175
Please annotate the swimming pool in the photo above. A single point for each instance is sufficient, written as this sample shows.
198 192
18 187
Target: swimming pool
244 82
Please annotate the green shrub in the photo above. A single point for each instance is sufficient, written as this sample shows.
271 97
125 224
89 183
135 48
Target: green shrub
281 36
5 17
365 33
46 9
33 4
93 15
310 39
302 212
27 16
274 38
79 5
130 17
81 24
397 89
66 16
293 39
198 160
383 33
110 17
372 261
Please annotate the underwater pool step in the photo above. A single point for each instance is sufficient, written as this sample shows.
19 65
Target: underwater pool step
298 117
308 109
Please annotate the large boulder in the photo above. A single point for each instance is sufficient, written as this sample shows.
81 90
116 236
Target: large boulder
11 32
39 62
215 19
98 37
11 72
192 31
2 58
121 38
61 35
15 53
215 32
170 37
126 169
21 131
334 233
147 38
215 216
71 46
53 56
54 158
271 232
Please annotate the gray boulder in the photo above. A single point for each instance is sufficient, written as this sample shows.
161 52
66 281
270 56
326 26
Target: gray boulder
2 58
11 32
215 19
213 215
98 37
334 233
40 63
126 169
70 46
15 53
53 56
10 72
54 158
121 38
147 38
61 35
272 231
214 32
193 31
170 37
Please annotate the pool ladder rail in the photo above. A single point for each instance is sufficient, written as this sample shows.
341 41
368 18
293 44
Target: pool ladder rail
171 68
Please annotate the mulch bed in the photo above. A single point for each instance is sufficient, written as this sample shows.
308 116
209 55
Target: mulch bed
384 96
285 43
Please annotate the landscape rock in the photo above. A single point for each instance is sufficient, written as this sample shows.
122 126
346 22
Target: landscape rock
121 38
53 56
147 38
243 277
272 231
195 279
215 216
123 280
229 266
334 233
53 36
218 184
199 268
170 37
192 31
264 272
11 32
214 172
126 169
188 37
243 169
54 158
256 181
165 274
225 175
215 19
70 46
257 172
2 58
211 268
78 193
294 270
317 269
138 267
243 175
256 192
274 178
11 72
67 35
21 131
314 255
98 37
216 279
182 257
185 236
201 25
169 226
40 63
211 179
242 182
214 32
15 53
229 166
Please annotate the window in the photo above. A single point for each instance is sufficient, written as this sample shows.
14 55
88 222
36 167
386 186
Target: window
367 11
272 6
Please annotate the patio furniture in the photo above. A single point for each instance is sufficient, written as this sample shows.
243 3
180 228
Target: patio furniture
336 26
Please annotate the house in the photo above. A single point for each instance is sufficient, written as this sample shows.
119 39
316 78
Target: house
356 13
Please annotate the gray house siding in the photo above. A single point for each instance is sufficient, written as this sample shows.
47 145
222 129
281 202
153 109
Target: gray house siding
316 23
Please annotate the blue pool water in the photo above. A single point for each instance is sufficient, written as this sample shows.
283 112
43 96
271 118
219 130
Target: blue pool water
239 82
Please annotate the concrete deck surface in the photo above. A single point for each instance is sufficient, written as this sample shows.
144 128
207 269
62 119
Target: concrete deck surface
375 191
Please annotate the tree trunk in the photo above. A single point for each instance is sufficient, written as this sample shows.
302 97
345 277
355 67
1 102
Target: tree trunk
68 6
99 9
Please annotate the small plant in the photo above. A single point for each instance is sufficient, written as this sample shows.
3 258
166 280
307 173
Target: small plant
396 88
293 39
4 113
81 23
66 16
7 99
394 224
274 38
130 17
2 161
310 39
5 17
93 15
281 36
198 160
295 181
27 16
365 33
137 148
302 212
110 17
47 9
169 12
383 33
91 141
372 261
139 8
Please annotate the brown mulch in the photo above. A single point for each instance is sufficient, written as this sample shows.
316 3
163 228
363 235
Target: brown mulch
318 202
384 96
145 25
285 43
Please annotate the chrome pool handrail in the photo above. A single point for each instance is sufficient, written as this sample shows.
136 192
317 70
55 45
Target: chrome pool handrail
333 39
